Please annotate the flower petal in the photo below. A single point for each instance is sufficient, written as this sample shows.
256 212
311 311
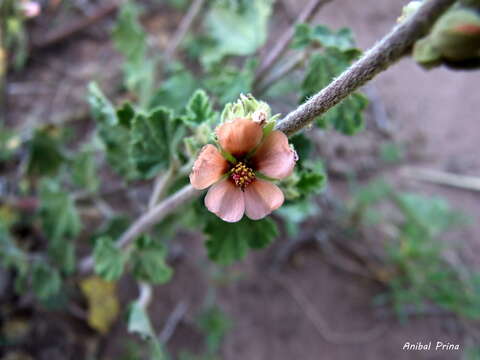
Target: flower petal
208 168
239 136
275 158
226 201
261 198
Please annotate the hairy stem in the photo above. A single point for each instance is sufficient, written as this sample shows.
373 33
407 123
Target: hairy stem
380 57
161 185
384 54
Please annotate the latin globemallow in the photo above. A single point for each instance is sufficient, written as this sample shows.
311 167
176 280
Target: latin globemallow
240 181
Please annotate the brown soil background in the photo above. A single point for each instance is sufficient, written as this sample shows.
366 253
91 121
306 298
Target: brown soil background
440 105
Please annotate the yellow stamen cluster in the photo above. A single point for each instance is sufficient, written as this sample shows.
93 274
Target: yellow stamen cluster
242 175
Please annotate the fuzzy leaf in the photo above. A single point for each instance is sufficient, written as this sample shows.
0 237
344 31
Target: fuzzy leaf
155 141
228 242
199 109
175 91
109 260
149 261
84 171
322 35
113 129
236 31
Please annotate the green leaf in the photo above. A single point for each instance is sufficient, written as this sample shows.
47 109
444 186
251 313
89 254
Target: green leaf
347 116
84 170
149 261
45 153
228 82
228 242
58 213
46 281
236 31
215 324
113 129
130 39
175 91
155 141
109 260
322 35
313 178
199 109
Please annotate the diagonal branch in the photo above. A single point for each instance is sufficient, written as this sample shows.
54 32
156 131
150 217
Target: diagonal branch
384 54
394 46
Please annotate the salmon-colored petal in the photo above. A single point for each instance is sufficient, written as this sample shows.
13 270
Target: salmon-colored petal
275 158
208 168
239 136
226 201
261 198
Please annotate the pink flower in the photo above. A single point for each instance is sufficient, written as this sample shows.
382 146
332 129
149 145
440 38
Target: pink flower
237 185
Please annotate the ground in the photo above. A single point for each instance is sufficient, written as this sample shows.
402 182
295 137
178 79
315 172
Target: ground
305 309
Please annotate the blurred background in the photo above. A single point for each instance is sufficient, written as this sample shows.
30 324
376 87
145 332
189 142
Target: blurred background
386 254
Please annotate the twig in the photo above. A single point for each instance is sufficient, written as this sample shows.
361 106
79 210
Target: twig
182 30
289 66
161 185
378 59
172 322
443 178
282 44
321 325
147 220
145 295
384 54
60 35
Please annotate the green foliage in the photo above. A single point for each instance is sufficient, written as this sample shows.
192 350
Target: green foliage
58 213
422 274
84 170
323 36
46 281
392 153
109 260
113 129
199 109
214 323
131 40
45 153
139 323
154 141
228 242
149 261
236 30
175 91
346 117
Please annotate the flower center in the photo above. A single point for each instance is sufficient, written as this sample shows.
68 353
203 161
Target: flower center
242 175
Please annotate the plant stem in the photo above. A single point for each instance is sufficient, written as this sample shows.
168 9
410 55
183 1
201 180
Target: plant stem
378 59
384 54
182 30
282 44
162 183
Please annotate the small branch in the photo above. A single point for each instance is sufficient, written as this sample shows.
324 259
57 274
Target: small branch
384 54
144 222
282 44
60 35
278 74
183 28
161 185
172 322
145 295
443 178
